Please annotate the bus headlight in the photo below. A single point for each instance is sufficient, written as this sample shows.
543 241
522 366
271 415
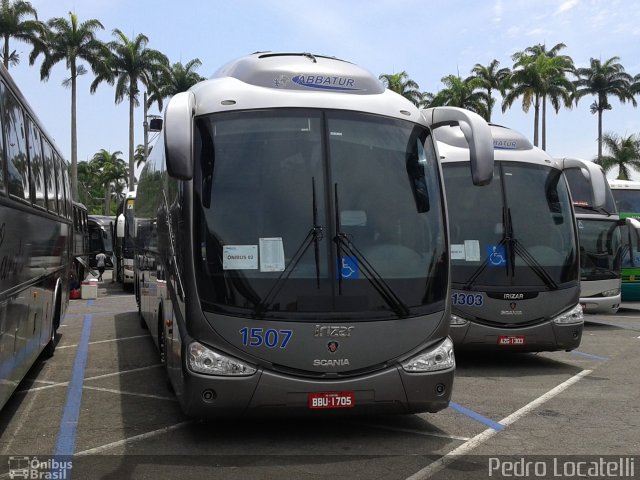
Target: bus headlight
205 360
610 293
439 358
570 316
456 320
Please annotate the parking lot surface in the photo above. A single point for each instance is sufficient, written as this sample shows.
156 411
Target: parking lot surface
100 408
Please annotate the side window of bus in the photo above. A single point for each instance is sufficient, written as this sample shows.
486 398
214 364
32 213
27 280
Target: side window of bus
50 176
63 207
37 165
2 159
17 162
67 184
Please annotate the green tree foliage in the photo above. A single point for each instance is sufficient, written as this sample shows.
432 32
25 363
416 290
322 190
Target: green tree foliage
539 74
492 78
174 79
624 153
18 20
403 85
70 41
464 93
129 64
112 172
604 80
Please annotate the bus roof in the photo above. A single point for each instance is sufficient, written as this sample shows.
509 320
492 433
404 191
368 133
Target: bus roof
276 80
616 184
452 146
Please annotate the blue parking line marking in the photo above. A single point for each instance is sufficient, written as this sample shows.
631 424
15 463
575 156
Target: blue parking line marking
89 303
589 355
66 441
477 417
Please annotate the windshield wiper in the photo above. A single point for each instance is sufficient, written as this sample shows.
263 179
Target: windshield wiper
343 242
594 209
514 247
315 235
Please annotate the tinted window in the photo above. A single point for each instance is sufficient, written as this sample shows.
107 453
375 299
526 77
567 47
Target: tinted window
37 165
50 176
2 159
17 162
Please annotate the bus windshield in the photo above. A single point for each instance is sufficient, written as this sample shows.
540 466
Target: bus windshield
600 249
306 211
518 230
627 200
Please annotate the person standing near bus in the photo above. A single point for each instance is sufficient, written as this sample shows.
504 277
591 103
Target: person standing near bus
101 259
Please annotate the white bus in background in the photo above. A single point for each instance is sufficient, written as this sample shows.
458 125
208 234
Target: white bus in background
295 256
600 245
125 241
515 272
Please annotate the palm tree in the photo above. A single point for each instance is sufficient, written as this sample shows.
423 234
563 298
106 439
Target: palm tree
70 41
603 80
554 82
130 62
14 25
426 98
492 79
625 154
111 168
525 82
539 74
174 79
461 93
403 85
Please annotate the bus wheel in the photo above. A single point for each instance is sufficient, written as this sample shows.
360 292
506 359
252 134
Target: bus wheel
50 348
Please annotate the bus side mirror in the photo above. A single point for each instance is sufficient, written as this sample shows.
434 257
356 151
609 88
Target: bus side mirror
120 226
477 133
155 124
594 175
178 135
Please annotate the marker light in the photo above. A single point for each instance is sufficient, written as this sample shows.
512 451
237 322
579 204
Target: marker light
205 360
570 316
439 358
456 320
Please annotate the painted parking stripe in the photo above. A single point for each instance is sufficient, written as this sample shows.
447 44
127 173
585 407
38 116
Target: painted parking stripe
589 355
136 438
476 416
410 430
108 341
465 448
66 442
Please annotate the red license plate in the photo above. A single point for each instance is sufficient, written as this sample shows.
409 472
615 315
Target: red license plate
331 400
509 340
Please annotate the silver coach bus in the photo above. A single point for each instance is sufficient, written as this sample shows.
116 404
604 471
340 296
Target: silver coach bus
36 230
515 272
295 257
600 241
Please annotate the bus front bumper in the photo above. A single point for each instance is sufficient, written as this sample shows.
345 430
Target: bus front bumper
547 336
269 393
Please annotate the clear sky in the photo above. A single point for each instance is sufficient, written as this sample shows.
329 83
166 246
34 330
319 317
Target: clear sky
428 39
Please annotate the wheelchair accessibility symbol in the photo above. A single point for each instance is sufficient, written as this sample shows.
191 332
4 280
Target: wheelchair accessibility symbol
497 255
349 269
